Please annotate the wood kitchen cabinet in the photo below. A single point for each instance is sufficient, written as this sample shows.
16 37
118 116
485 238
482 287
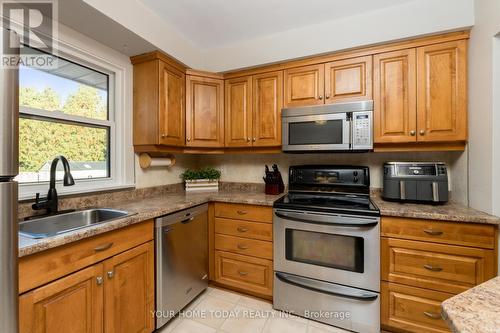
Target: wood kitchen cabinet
334 82
159 101
424 262
204 111
101 284
71 304
348 80
253 110
442 92
420 94
304 85
394 96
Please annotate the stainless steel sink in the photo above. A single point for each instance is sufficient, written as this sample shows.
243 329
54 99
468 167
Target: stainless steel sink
58 224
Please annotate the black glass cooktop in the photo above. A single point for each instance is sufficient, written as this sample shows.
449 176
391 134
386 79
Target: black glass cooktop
328 202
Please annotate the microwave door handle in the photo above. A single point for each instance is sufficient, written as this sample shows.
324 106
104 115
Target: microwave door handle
327 288
317 219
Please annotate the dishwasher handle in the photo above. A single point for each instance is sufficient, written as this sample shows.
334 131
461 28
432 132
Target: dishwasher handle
184 217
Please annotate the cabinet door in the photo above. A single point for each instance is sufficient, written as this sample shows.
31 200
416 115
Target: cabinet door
130 291
238 111
71 304
267 102
171 107
394 95
442 91
204 112
305 85
348 80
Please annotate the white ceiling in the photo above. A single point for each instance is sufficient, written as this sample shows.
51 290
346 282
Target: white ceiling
215 23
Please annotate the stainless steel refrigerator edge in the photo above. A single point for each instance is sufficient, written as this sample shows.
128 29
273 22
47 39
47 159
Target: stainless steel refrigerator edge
9 134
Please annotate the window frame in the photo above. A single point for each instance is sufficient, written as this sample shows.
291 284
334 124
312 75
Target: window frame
120 154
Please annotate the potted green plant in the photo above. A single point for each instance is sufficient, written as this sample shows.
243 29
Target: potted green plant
204 179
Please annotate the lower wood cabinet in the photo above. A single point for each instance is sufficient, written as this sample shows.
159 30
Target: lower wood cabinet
412 309
241 248
115 295
425 262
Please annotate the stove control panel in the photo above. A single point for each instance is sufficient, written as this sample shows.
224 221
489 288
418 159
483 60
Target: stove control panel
328 176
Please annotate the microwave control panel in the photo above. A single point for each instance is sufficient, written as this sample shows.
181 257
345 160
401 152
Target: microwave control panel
362 130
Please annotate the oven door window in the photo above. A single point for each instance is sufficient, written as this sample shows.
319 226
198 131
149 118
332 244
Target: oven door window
319 132
323 249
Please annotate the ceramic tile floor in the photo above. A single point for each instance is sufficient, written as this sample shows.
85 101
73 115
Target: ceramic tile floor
228 312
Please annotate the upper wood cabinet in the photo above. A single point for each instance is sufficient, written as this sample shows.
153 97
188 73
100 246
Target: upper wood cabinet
304 85
334 82
442 92
394 96
267 103
253 110
348 80
158 103
204 112
420 94
238 112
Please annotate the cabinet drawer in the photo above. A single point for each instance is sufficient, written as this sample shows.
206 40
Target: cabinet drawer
43 267
477 235
251 247
255 230
244 212
245 273
412 309
447 268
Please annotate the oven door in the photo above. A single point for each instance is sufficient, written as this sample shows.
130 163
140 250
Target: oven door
342 249
316 132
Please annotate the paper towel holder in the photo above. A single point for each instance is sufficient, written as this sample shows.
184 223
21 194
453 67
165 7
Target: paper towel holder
147 161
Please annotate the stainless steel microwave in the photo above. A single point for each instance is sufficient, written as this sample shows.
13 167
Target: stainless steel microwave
333 127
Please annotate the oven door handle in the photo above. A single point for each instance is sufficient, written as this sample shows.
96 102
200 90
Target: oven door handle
318 219
328 288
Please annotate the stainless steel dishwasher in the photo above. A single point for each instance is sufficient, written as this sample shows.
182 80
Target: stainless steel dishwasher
181 260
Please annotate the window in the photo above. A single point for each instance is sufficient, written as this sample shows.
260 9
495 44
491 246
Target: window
64 111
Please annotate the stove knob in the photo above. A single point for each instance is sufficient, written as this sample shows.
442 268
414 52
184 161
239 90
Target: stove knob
355 173
355 179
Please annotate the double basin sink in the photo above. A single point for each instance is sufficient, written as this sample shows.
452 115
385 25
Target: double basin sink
53 225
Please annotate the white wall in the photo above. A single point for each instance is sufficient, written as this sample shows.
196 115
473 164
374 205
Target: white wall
250 168
483 178
410 19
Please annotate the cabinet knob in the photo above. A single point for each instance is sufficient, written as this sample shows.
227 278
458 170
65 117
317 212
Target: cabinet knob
254 139
422 132
111 274
412 133
320 97
248 140
99 280
327 96
163 135
188 139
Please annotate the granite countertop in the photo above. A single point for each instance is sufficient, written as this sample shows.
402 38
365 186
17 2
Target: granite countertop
476 310
450 211
166 203
144 209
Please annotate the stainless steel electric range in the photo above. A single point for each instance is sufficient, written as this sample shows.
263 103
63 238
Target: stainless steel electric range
327 248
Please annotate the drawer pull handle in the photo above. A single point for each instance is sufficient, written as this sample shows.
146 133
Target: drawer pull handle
242 273
242 212
111 274
433 232
432 268
99 280
103 247
242 247
432 315
242 229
